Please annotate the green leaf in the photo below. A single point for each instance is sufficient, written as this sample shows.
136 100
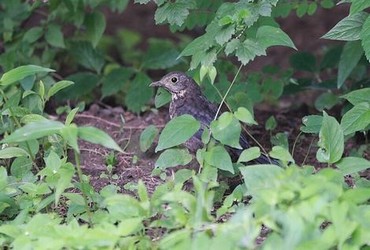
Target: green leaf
351 55
84 83
331 141
115 80
97 136
174 13
326 100
248 50
162 97
356 119
348 29
258 177
226 129
11 152
172 158
33 34
249 154
95 24
365 37
139 93
32 118
281 153
224 34
147 137
271 123
161 54
358 96
19 73
312 124
54 36
66 173
358 5
243 114
303 61
218 157
34 130
84 53
269 36
177 131
351 165
232 46
71 115
56 87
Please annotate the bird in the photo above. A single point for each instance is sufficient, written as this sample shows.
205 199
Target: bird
187 98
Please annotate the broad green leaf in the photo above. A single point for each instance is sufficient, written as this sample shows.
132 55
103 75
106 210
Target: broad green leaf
248 50
32 118
11 152
348 29
358 195
147 137
174 13
356 119
86 55
177 131
57 87
139 93
351 55
84 83
351 165
97 136
281 153
162 97
218 157
331 141
227 129
243 114
33 34
326 100
17 74
95 24
115 80
303 61
173 157
54 36
260 176
34 130
232 46
269 36
271 123
358 5
161 54
196 46
66 173
358 96
249 154
365 37
70 135
312 124
224 34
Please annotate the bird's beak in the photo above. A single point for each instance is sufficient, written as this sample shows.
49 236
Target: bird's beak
156 84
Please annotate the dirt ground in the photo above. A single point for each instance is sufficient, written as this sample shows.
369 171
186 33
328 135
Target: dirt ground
126 127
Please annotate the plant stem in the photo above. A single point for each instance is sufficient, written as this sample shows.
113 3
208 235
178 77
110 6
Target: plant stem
84 195
227 92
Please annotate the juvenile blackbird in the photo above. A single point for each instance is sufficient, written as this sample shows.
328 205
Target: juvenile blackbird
187 98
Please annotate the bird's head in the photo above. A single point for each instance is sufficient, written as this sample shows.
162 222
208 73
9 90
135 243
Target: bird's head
177 83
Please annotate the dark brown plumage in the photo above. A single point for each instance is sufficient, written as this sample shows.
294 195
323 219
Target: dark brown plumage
187 98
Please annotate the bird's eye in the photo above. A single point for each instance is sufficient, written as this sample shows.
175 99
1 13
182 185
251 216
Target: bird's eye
174 79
